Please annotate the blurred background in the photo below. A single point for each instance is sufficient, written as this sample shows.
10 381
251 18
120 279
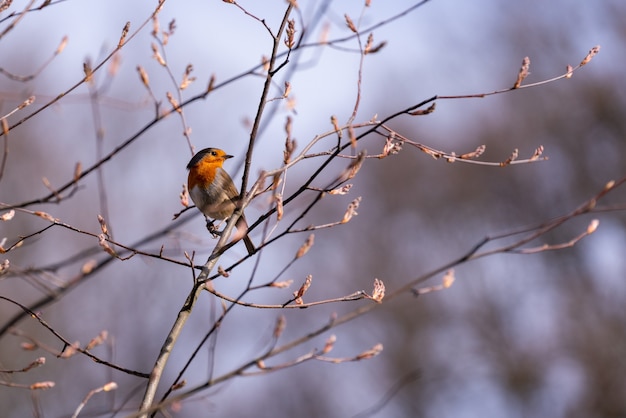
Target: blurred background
539 335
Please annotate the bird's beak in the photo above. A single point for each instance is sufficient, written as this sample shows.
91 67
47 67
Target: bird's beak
226 157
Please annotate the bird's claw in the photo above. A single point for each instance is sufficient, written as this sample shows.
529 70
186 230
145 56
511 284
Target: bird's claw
210 225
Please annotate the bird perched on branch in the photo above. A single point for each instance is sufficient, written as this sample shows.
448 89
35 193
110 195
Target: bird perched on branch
214 193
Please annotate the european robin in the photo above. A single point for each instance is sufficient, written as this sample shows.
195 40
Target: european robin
213 191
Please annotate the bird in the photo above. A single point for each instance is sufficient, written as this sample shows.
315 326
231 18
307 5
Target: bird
213 192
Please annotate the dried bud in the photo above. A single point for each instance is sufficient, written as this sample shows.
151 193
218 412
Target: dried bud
511 158
341 190
78 170
102 242
70 350
279 327
330 342
88 71
350 23
368 45
88 266
114 65
474 154
157 55
156 27
276 180
184 196
211 84
61 46
98 340
304 248
287 89
356 165
180 385
421 112
448 278
593 226
609 185
305 286
45 216
523 72
391 146
323 39
143 75
351 211
41 385
374 351
352 136
187 79
333 120
378 47
124 34
266 63
173 102
592 53
291 103
291 32
278 198
103 225
569 71
27 102
38 362
109 387
290 144
7 216
379 291
281 285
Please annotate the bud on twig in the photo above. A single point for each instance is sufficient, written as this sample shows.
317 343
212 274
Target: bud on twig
523 72
304 248
305 286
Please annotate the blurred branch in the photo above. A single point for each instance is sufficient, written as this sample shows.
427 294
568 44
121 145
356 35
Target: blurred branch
38 362
7 3
26 78
87 271
369 29
160 56
106 388
18 18
524 71
89 71
404 381
69 344
103 240
528 234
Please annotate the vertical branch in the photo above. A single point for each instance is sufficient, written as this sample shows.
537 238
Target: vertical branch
263 101
94 96
166 349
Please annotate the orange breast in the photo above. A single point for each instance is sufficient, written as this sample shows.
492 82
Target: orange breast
201 175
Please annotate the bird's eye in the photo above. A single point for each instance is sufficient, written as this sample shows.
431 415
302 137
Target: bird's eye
213 153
